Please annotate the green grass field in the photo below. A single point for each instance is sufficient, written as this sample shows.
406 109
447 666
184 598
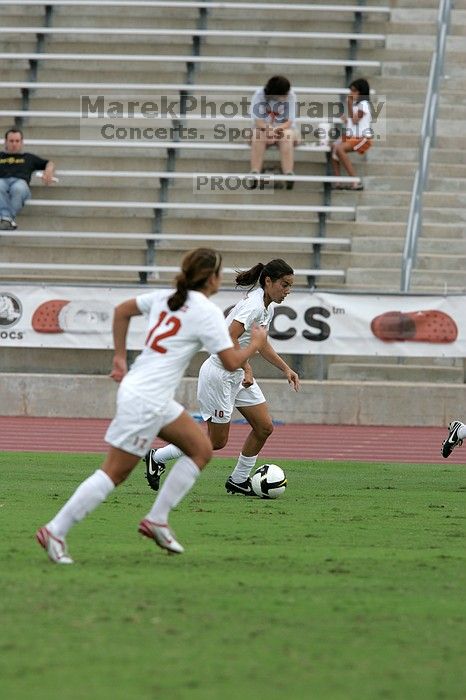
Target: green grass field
352 586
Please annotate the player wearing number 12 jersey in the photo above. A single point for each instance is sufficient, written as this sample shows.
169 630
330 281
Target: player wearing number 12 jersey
179 325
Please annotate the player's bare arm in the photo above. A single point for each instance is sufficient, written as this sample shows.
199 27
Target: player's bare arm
269 354
121 318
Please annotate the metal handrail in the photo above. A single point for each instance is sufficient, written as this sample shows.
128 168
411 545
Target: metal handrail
421 176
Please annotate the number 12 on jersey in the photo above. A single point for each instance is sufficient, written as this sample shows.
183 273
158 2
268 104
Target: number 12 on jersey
164 328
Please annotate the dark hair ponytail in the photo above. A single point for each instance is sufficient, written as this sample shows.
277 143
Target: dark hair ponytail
275 269
249 278
196 268
177 299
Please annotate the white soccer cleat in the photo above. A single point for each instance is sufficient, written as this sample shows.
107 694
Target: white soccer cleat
55 548
162 536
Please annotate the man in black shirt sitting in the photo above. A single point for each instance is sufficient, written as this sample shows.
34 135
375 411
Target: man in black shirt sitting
16 168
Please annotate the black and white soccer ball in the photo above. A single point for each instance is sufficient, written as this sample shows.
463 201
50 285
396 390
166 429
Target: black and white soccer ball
269 481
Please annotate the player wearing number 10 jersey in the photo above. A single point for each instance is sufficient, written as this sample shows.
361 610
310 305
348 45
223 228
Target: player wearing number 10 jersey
180 324
220 390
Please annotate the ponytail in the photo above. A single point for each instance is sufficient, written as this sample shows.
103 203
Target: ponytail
275 269
177 299
249 278
196 268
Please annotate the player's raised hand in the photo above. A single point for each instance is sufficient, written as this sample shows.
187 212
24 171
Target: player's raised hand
119 368
293 379
248 379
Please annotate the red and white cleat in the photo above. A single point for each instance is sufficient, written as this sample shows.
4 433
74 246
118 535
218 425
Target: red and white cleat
55 548
161 534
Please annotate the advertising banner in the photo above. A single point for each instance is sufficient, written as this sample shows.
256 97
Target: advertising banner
306 323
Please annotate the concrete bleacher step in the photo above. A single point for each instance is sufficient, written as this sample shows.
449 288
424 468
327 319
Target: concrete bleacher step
166 71
433 215
218 224
440 261
120 48
438 282
376 229
392 372
71 221
373 278
379 213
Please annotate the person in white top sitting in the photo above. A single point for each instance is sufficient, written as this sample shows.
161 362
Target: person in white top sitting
357 131
273 113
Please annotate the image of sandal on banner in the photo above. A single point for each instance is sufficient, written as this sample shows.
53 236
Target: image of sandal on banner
419 326
62 316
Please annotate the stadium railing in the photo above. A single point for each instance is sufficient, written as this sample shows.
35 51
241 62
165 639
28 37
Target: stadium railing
111 204
167 145
181 87
177 58
209 237
144 270
65 115
188 175
193 32
190 4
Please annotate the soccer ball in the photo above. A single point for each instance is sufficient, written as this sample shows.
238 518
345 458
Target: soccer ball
269 481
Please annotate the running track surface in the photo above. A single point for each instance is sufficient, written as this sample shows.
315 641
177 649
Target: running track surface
307 442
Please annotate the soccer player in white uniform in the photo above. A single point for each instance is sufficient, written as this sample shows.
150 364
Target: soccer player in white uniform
179 324
220 390
456 435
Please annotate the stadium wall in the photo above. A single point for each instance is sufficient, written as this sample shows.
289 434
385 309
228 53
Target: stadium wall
329 402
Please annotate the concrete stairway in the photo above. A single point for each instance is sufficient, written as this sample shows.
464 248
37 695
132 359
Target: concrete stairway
378 236
441 257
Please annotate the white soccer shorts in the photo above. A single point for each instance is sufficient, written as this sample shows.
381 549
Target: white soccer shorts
136 425
220 391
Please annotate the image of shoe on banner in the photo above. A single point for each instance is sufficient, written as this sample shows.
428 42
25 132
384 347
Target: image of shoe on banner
418 326
62 316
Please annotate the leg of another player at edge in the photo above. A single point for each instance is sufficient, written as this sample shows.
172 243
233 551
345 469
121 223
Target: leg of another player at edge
166 453
218 434
196 452
260 421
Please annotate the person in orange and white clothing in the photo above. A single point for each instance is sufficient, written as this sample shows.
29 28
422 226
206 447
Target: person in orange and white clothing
179 325
357 132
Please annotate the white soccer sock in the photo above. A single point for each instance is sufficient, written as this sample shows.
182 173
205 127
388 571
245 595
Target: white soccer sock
462 432
243 468
164 454
87 496
180 480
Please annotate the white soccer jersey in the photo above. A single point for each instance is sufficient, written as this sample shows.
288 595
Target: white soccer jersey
250 311
172 339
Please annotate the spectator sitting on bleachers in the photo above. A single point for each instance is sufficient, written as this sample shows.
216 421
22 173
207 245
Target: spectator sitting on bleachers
16 168
357 131
273 111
